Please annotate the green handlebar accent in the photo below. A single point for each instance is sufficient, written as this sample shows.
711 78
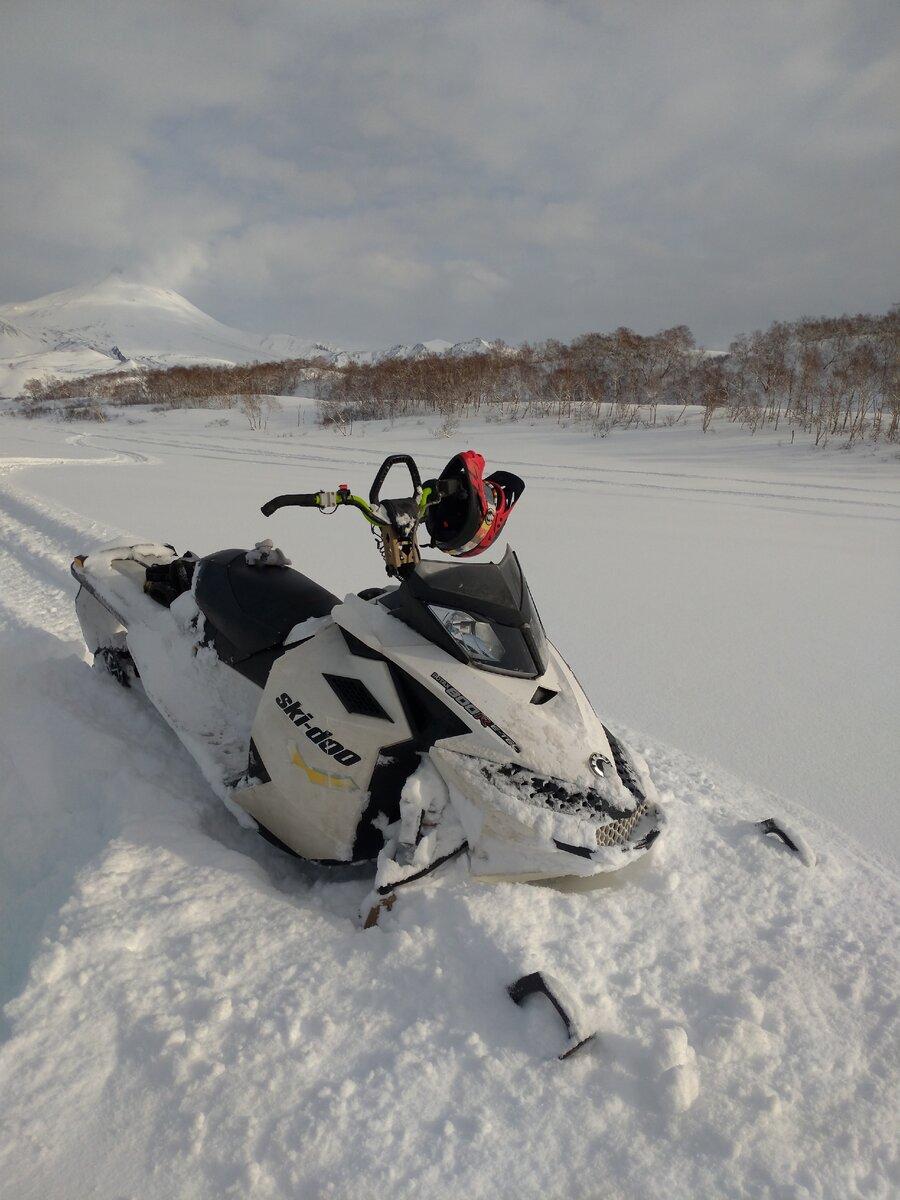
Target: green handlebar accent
345 496
324 500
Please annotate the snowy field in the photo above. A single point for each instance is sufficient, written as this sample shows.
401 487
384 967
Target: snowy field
190 1013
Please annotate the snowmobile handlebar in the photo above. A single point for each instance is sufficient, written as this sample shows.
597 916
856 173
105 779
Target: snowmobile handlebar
374 511
325 502
299 500
433 491
394 522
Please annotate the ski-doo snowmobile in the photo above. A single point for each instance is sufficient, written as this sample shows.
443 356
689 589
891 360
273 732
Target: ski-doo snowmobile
408 724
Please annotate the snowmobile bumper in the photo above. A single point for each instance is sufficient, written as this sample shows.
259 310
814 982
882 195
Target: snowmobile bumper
522 826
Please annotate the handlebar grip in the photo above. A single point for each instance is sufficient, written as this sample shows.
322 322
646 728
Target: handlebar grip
299 500
391 461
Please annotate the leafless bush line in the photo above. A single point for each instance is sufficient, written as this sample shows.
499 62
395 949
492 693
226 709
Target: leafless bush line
830 377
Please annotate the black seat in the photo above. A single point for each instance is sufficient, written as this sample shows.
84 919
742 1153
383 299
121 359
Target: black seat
250 610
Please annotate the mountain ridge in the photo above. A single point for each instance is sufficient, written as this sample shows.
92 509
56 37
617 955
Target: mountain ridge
117 323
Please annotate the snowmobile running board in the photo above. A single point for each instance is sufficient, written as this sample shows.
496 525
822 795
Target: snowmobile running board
537 983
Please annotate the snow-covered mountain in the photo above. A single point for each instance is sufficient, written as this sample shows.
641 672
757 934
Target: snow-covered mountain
437 346
403 350
118 323
419 350
103 326
15 343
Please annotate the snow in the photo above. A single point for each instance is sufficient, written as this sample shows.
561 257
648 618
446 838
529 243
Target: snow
91 328
189 1012
118 323
421 349
267 554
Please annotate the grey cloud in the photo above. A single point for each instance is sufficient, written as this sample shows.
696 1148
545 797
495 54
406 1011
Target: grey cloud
366 173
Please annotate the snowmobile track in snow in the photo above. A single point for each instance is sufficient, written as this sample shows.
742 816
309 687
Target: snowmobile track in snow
806 496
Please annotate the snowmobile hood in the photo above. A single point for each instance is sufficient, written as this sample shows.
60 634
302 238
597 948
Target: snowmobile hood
544 724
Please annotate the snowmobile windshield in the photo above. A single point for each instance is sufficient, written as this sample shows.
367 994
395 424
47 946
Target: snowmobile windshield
481 613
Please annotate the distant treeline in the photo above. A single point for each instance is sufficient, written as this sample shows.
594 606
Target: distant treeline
833 377
198 386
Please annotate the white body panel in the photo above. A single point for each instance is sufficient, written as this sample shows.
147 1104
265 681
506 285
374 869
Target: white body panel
324 793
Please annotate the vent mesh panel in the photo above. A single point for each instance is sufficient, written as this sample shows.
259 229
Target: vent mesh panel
356 697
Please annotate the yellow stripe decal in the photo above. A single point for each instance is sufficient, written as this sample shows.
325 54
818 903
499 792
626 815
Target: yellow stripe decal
344 783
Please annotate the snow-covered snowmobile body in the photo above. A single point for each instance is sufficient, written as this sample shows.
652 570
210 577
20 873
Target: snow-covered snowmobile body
428 719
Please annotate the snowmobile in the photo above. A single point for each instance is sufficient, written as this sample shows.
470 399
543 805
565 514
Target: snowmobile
426 720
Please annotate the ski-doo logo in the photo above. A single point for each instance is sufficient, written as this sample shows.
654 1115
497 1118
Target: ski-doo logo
482 718
319 737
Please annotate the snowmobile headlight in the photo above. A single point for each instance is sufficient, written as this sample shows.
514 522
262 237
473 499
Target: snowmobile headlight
485 644
476 637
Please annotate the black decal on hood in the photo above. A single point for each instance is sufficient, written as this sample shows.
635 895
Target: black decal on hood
473 711
293 710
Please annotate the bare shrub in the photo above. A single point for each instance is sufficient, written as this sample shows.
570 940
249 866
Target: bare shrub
257 410
448 427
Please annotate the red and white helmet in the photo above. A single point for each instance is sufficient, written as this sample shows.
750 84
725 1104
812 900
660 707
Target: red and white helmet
468 521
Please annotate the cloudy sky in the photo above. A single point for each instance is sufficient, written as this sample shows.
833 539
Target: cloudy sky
374 171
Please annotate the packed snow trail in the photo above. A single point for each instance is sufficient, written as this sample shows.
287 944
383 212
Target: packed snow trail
41 651
800 495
